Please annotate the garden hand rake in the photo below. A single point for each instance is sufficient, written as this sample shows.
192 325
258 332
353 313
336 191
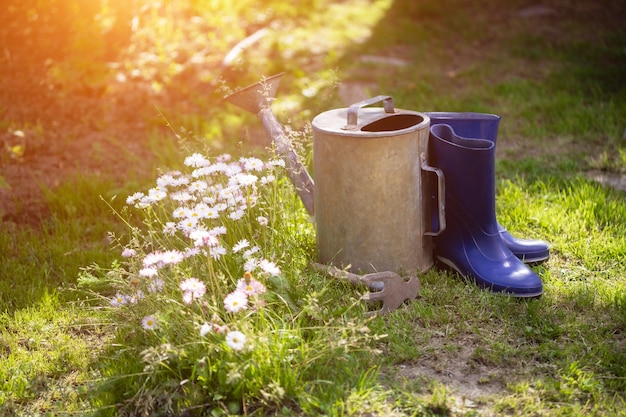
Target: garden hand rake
395 290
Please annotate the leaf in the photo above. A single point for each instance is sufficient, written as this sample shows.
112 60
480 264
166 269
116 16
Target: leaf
4 184
17 151
282 289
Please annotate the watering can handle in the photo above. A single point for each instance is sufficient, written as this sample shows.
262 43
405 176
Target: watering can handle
441 194
353 110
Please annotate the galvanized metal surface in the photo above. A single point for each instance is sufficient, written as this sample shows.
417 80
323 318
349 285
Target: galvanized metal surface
370 206
353 110
257 99
373 199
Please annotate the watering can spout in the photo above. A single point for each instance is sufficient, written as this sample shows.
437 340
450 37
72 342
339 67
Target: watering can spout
257 99
257 96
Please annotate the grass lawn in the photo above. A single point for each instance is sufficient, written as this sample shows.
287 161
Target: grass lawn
100 309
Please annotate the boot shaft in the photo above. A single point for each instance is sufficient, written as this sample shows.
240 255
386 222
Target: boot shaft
469 125
468 166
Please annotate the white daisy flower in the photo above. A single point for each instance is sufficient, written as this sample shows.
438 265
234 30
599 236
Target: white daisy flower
253 164
180 181
243 180
210 200
248 253
156 194
220 207
145 202
232 169
181 196
189 252
236 214
242 244
150 323
219 167
225 157
269 267
179 212
217 251
150 271
188 225
169 228
196 160
202 172
212 213
266 179
250 264
201 209
172 257
118 300
236 340
203 238
192 289
197 186
218 230
154 258
165 181
236 301
205 329
156 285
132 199
250 286
276 163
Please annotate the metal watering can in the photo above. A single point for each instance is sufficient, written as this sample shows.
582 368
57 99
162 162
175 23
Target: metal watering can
375 199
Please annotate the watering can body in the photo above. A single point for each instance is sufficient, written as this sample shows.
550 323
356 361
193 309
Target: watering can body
375 196
375 200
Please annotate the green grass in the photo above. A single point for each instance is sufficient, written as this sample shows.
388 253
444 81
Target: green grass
51 257
48 356
454 351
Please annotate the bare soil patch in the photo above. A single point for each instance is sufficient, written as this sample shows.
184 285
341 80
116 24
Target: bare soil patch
49 136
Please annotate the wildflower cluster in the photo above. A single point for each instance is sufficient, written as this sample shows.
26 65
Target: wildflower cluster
202 303
189 256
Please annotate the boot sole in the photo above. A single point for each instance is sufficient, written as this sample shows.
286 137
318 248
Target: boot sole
451 265
533 260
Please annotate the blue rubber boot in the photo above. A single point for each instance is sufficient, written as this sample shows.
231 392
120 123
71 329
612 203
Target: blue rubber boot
471 242
485 126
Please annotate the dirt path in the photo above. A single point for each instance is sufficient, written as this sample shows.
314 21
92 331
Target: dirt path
49 136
